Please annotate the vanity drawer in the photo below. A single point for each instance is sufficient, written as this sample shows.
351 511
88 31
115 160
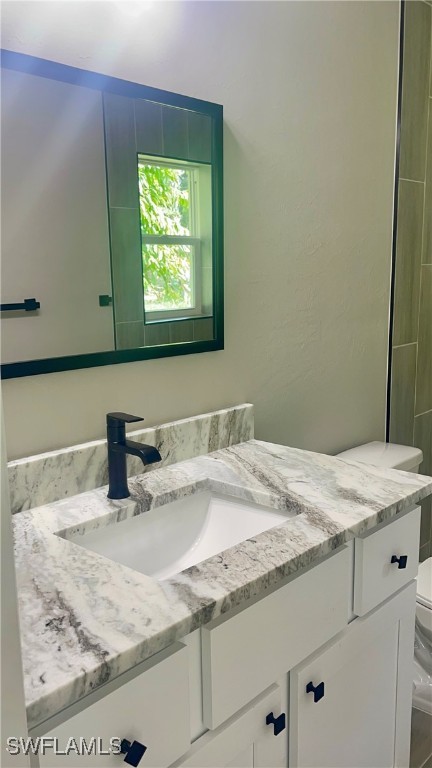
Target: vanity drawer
243 654
152 708
375 577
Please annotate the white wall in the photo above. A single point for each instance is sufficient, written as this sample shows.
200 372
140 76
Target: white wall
55 243
309 91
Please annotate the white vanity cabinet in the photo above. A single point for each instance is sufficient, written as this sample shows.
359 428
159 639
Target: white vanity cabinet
350 700
317 673
244 653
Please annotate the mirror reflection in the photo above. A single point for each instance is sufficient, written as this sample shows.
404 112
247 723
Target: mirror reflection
111 211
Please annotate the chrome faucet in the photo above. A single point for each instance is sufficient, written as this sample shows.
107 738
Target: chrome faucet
118 448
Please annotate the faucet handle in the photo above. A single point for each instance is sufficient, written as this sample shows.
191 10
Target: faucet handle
118 418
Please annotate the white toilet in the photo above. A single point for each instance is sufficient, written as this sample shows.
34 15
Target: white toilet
409 459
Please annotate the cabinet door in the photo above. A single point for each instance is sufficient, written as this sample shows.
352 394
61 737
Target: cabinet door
245 740
350 707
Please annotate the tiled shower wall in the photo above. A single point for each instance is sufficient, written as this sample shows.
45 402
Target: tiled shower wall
411 374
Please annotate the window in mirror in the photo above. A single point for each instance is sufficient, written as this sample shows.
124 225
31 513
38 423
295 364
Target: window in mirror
175 217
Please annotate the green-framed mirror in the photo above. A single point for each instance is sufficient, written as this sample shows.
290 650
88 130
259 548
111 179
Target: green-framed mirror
112 220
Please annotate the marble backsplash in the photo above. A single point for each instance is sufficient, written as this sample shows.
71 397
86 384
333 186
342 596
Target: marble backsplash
47 477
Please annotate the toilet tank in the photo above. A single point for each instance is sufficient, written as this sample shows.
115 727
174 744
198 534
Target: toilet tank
386 455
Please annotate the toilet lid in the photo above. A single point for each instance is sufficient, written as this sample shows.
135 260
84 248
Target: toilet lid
424 583
385 455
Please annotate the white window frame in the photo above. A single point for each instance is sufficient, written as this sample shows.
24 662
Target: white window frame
194 240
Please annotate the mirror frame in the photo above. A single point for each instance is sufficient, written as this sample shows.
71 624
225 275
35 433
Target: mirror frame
55 71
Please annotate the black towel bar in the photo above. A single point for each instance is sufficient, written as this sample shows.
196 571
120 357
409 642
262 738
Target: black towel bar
28 305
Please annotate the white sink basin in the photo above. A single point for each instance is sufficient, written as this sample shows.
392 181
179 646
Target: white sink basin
168 539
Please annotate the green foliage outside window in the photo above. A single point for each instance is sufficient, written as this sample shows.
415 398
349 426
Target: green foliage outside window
165 210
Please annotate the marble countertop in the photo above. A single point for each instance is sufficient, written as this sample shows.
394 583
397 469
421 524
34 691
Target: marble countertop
86 619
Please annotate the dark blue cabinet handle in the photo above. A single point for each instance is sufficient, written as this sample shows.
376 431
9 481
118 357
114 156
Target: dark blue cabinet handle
317 690
133 752
278 723
401 561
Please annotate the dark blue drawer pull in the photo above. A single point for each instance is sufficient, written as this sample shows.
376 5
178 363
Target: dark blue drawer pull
133 752
317 690
279 723
401 561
